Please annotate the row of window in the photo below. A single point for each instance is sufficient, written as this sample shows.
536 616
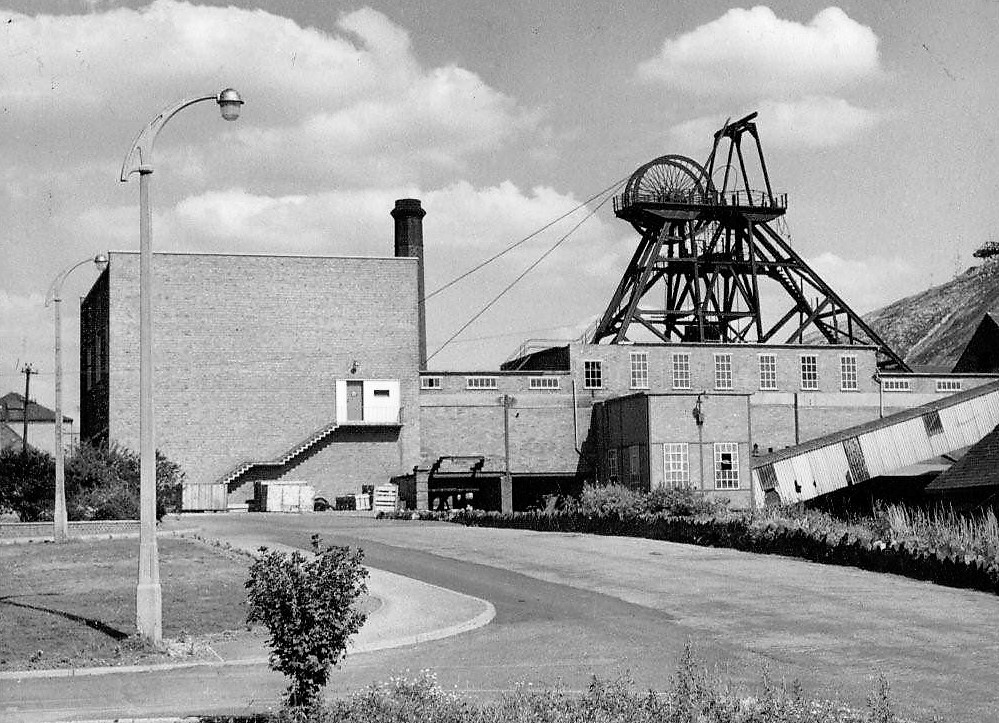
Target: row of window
809 375
902 385
676 465
487 382
724 379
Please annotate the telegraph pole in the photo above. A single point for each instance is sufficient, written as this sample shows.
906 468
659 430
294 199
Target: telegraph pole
27 371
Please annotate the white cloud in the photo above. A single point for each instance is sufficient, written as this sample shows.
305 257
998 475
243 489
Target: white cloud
354 105
811 122
753 52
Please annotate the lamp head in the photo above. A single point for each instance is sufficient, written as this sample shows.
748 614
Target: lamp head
229 103
101 262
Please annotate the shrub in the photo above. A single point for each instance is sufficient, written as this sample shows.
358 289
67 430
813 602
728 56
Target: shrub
683 503
27 483
625 502
603 500
102 483
307 606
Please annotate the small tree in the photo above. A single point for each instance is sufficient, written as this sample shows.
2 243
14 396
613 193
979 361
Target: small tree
307 606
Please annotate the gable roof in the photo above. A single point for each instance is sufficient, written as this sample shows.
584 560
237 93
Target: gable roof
982 352
978 468
12 410
9 438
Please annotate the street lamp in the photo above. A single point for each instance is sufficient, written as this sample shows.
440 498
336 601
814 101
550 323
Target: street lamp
59 519
148 597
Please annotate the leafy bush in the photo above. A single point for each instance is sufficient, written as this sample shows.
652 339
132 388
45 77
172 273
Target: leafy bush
27 483
307 606
601 500
102 483
625 502
683 503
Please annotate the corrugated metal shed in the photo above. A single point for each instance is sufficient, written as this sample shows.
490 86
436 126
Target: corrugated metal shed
854 455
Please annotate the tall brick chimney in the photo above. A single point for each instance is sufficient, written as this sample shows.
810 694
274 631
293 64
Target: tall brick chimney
408 215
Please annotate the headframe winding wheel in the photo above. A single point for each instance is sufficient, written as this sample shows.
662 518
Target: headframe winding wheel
668 179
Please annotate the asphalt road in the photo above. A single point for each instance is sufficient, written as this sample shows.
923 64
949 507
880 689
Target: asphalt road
572 606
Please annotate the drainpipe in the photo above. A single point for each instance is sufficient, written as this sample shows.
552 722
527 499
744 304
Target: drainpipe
575 425
797 428
699 421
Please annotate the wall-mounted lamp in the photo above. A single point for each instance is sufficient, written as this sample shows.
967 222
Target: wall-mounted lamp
697 412
353 367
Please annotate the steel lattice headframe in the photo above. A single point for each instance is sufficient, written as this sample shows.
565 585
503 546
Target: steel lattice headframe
710 260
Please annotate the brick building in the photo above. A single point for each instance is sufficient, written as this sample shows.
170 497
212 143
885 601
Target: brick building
266 367
274 367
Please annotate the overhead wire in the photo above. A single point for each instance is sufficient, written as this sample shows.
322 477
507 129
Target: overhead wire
524 240
609 193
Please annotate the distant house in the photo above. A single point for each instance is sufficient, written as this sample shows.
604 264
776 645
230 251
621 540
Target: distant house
9 439
41 424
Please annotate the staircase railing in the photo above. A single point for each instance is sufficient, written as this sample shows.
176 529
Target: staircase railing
245 465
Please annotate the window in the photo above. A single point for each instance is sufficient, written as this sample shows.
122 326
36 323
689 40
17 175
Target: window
612 470
543 383
681 370
676 465
480 382
895 385
768 372
948 385
634 465
88 365
809 371
848 372
639 370
933 423
723 371
430 382
726 466
593 377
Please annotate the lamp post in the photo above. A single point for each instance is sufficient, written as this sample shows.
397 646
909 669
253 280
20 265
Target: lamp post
59 519
148 598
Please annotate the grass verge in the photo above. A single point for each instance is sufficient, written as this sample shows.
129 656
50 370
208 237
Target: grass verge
73 604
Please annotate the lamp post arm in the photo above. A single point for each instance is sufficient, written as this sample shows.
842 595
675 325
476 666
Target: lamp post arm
140 155
55 291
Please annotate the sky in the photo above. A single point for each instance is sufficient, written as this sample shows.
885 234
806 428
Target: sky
879 120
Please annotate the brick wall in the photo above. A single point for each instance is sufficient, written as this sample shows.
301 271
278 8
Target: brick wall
94 337
616 366
456 420
247 350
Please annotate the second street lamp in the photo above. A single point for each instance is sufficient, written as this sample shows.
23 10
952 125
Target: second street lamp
148 596
60 520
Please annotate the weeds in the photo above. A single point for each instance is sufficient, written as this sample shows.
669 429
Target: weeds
692 696
943 531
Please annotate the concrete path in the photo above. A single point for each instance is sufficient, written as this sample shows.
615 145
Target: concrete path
410 612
